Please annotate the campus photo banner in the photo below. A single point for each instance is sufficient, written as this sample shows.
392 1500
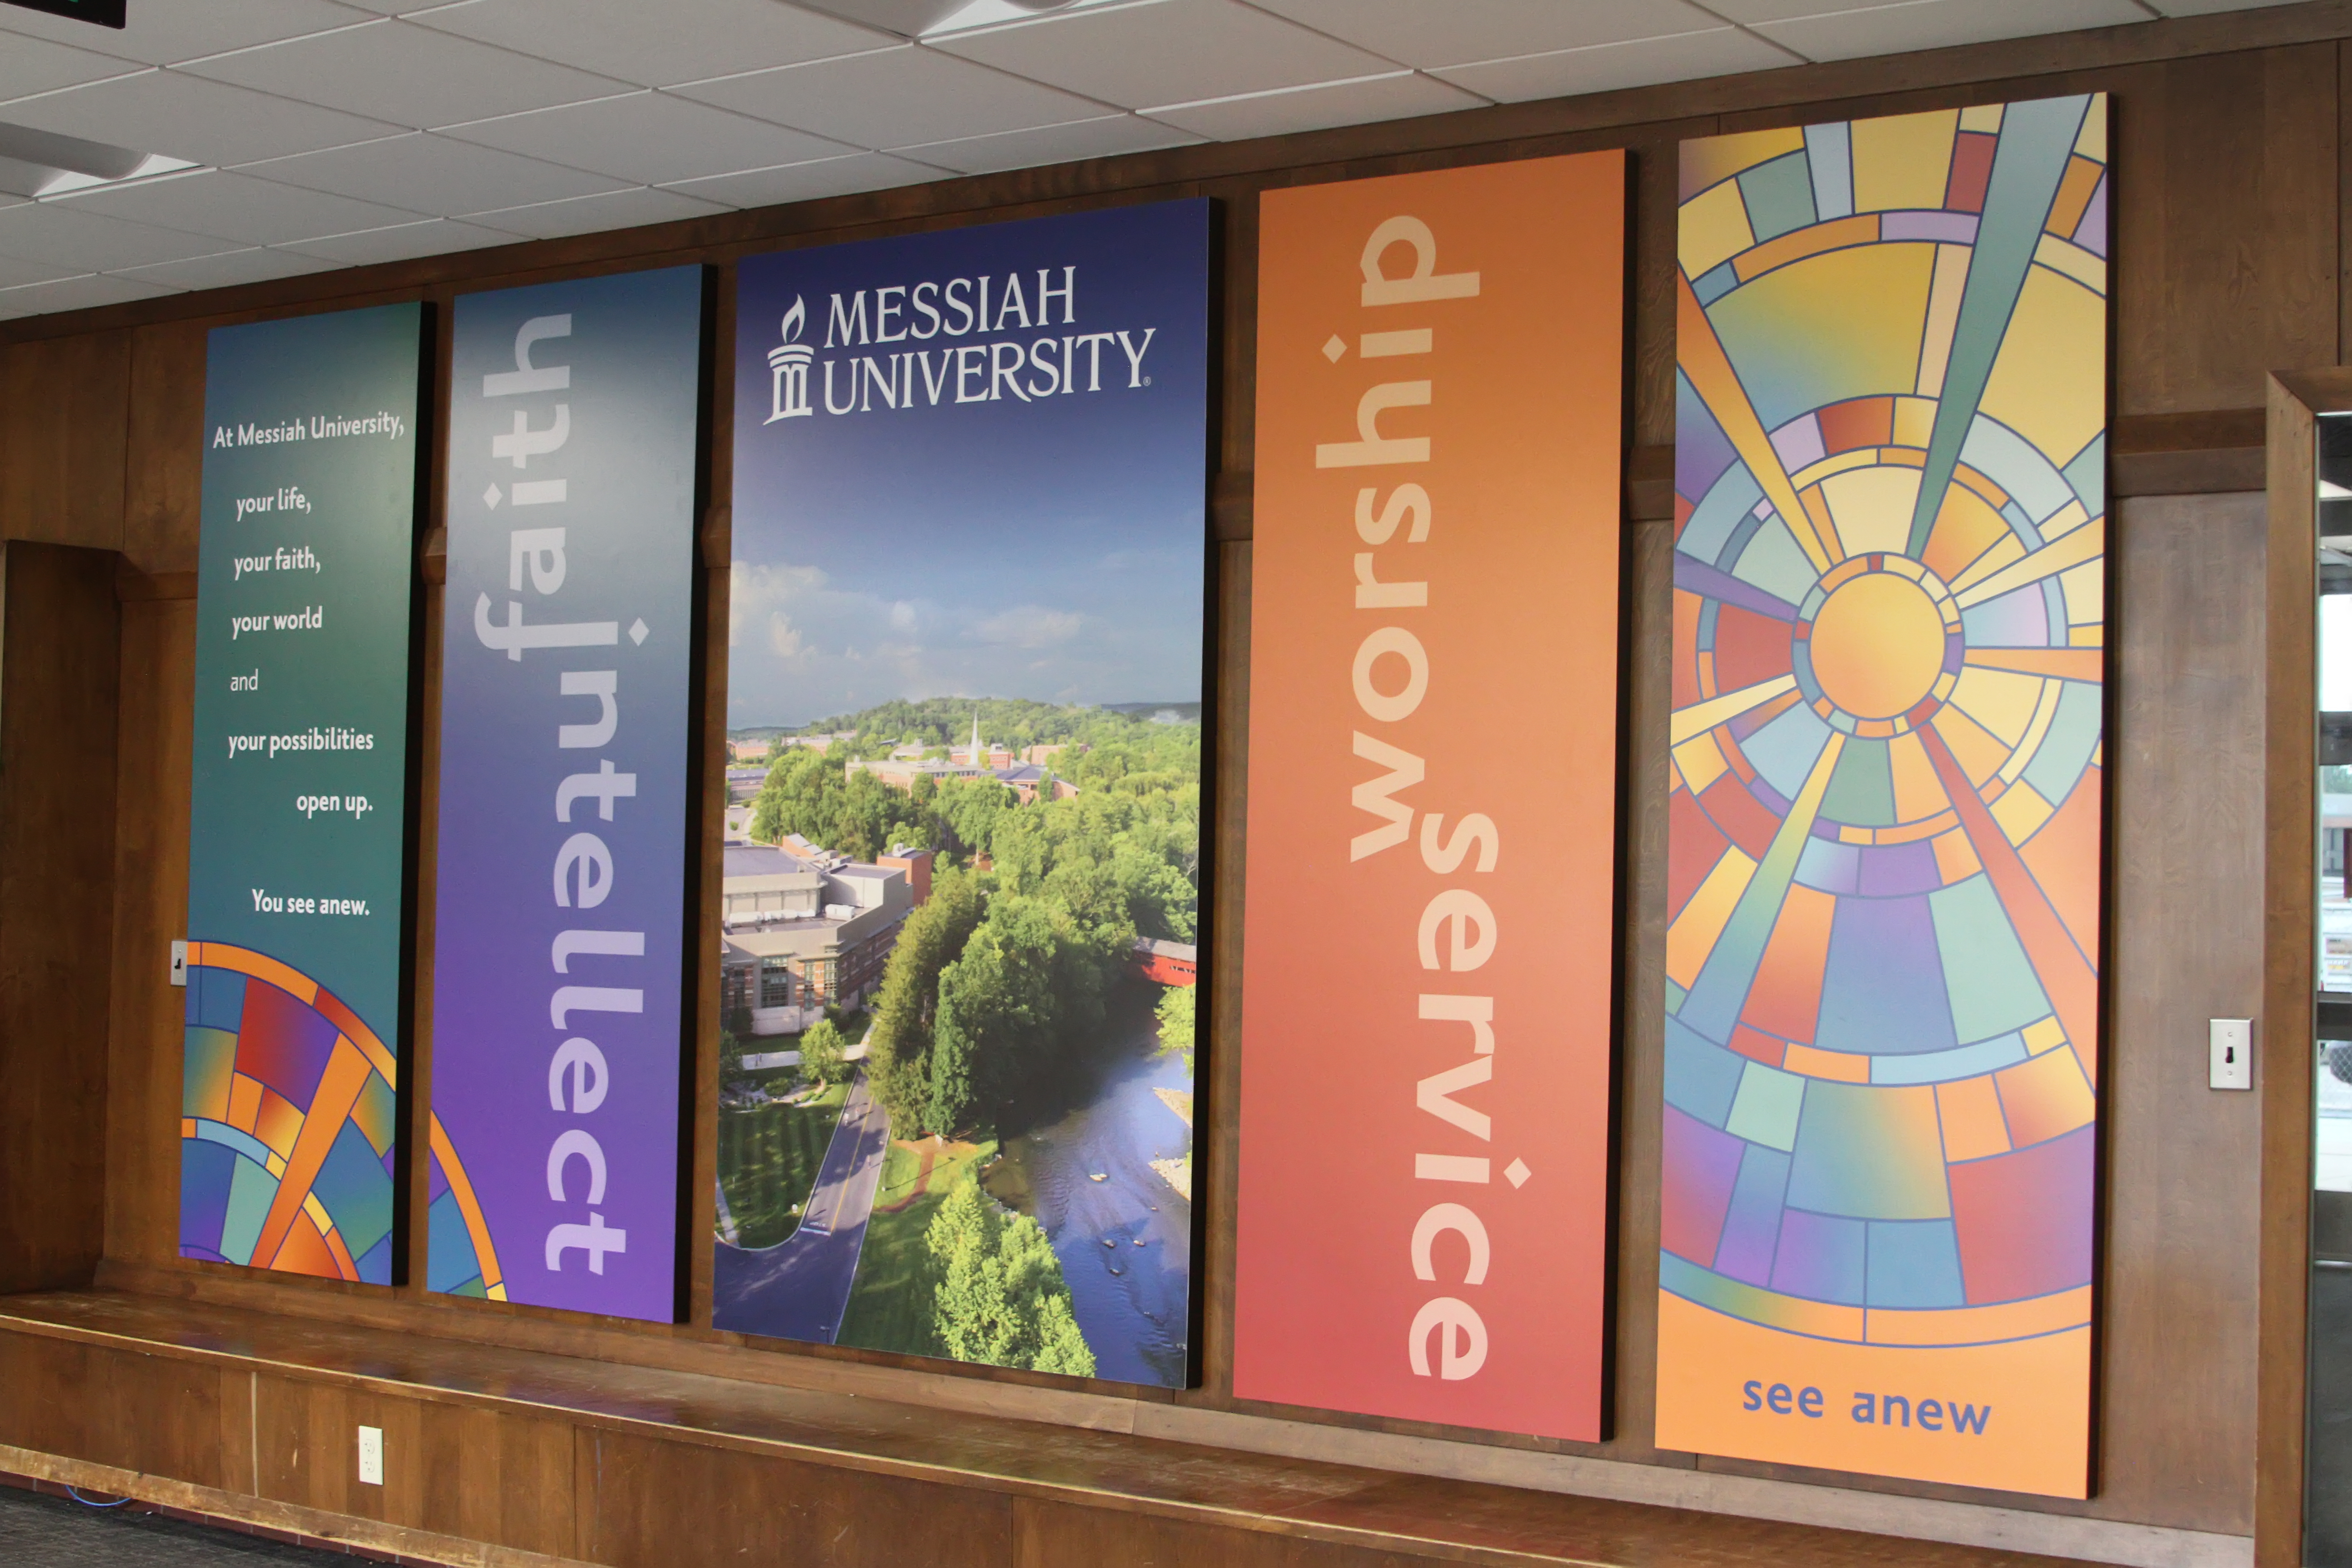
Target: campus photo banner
1887 817
289 1143
964 841
1429 951
559 936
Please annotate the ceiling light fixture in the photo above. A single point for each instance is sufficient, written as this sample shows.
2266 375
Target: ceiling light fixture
43 163
913 18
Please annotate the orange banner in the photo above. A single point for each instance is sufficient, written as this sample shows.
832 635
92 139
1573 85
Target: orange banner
1425 1052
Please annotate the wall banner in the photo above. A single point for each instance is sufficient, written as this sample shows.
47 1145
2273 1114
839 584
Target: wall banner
558 946
1429 951
964 841
1886 820
298 816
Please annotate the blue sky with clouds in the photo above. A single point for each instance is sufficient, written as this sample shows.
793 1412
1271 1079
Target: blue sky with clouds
1052 549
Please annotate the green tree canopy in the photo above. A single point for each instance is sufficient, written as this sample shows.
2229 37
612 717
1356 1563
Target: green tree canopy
1175 1011
898 1056
998 1292
822 1061
1032 982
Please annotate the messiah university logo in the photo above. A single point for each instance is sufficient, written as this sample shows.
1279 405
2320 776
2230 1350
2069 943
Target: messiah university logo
788 365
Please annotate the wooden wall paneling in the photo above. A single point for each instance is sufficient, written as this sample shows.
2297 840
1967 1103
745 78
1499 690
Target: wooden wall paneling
665 1504
306 1443
63 412
164 485
1648 609
2185 841
56 908
416 1090
1216 1142
715 548
1234 288
1055 1535
498 1476
2343 202
2225 226
152 1414
1651 230
155 730
432 572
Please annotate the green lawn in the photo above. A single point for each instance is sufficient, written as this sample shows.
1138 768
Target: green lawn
768 1160
889 1307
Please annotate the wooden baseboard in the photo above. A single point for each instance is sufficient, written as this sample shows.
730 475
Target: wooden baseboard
241 1511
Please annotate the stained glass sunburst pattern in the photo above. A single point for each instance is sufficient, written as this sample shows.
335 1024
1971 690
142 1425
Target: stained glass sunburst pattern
1887 810
288 1124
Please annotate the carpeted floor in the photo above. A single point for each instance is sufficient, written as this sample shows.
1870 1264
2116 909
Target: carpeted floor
40 1531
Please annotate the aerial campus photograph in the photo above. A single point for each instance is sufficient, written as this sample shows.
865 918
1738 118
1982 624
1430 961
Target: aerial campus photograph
960 895
957 1066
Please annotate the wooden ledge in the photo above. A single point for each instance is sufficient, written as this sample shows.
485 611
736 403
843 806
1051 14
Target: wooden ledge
1419 1518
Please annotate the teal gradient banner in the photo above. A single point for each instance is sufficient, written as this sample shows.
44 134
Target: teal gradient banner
298 815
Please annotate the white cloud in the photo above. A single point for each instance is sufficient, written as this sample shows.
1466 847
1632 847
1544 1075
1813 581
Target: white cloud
753 592
902 616
784 638
1030 626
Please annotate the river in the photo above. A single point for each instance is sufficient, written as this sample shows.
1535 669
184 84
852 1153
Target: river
1124 1242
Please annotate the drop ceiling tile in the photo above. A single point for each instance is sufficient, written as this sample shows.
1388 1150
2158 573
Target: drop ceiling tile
1459 32
650 138
184 116
34 64
235 207
1830 32
228 270
597 214
1102 138
409 75
894 98
14 273
429 174
53 232
1391 96
657 45
163 32
1566 72
808 182
79 293
433 237
1165 51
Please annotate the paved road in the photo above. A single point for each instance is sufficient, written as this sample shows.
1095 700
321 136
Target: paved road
798 1288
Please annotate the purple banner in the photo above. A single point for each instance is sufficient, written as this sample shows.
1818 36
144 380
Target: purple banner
558 1024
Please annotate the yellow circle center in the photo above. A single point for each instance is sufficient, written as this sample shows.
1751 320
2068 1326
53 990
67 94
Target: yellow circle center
1877 645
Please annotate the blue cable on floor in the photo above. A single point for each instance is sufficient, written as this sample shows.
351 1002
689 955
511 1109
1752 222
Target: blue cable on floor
76 1493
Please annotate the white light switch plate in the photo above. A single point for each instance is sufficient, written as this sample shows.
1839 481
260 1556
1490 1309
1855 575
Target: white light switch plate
2230 1043
179 964
371 1456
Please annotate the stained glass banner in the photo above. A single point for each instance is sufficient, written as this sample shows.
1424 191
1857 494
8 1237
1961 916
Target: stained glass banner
1887 810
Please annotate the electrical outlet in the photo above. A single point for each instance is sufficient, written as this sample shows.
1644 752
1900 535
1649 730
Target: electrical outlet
2230 1048
370 1456
179 964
